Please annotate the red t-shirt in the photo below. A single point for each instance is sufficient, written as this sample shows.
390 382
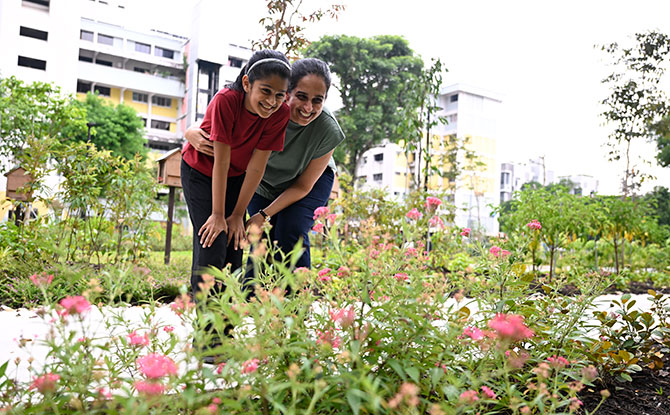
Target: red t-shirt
227 121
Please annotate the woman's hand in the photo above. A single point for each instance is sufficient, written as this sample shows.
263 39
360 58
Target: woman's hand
211 229
256 219
199 140
236 232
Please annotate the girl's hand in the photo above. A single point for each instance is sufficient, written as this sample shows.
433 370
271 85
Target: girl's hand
199 140
236 232
211 229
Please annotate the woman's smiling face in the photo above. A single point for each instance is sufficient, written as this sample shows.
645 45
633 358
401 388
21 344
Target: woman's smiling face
306 99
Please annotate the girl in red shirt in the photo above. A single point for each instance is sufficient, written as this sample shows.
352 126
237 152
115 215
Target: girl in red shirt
246 121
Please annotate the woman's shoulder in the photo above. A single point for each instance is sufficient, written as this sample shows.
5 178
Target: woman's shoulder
327 121
230 94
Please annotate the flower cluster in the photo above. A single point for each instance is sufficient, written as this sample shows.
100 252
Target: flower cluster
510 327
344 317
154 366
534 225
45 383
42 280
498 252
74 305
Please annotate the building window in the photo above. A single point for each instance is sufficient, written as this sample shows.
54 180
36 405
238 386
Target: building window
377 177
161 101
86 35
34 33
140 70
235 62
103 91
164 53
103 62
142 47
105 39
144 121
32 63
85 58
365 160
362 179
453 98
160 125
379 157
140 97
83 87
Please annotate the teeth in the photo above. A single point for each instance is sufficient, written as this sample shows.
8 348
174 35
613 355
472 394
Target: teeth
305 114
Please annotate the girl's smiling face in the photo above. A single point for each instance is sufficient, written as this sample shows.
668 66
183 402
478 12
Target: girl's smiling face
306 99
264 96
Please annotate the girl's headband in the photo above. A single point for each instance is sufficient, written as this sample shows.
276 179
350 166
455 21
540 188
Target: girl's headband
267 60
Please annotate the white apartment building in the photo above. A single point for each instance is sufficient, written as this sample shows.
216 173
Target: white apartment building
584 184
514 175
472 115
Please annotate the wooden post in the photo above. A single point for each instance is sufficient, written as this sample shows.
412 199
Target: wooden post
168 230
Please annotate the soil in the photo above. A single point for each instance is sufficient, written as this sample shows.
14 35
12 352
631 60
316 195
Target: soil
647 394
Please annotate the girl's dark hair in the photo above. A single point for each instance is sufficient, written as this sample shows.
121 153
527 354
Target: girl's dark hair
308 66
262 70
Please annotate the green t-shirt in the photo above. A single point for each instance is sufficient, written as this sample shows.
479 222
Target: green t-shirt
302 145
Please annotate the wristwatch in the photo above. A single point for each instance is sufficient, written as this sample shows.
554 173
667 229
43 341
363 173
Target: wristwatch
264 215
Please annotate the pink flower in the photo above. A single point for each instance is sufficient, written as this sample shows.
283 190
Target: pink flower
149 388
168 329
412 252
212 408
414 214
575 404
104 393
331 218
495 250
534 225
301 270
155 366
488 392
473 332
558 362
510 327
469 396
45 383
219 369
505 253
465 232
343 271
432 202
344 317
323 274
182 304
136 340
250 366
217 401
328 337
318 227
321 211
74 305
401 276
436 222
41 280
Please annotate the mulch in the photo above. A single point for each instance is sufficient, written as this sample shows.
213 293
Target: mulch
647 394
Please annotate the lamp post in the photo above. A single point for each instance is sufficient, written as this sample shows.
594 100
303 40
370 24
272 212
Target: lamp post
89 125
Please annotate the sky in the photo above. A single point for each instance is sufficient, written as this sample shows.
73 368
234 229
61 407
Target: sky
541 56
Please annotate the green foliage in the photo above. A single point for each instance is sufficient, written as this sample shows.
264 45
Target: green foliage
118 128
31 113
373 76
636 102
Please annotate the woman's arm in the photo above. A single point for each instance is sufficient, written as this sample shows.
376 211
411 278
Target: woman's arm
216 223
299 189
199 139
255 171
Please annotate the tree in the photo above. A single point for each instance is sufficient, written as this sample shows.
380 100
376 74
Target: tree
284 30
373 75
30 113
636 103
659 200
117 128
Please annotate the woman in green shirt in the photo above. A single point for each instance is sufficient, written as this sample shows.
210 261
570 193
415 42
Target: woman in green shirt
298 179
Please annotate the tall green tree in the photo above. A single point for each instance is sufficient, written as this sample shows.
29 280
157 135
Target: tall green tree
373 75
31 113
636 103
117 128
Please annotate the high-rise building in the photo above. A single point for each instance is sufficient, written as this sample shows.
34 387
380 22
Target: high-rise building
514 175
472 114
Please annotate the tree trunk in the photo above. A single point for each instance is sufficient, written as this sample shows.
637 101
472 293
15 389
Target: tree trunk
616 252
551 262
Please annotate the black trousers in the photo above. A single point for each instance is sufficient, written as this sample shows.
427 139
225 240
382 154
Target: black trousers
197 189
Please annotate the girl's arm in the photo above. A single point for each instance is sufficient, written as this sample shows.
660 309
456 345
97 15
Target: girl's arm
255 171
299 189
198 138
216 223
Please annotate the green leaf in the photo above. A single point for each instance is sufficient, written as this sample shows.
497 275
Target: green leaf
413 373
626 377
398 368
354 400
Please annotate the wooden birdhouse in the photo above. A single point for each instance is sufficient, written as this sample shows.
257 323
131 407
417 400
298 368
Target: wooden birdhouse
17 180
169 168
